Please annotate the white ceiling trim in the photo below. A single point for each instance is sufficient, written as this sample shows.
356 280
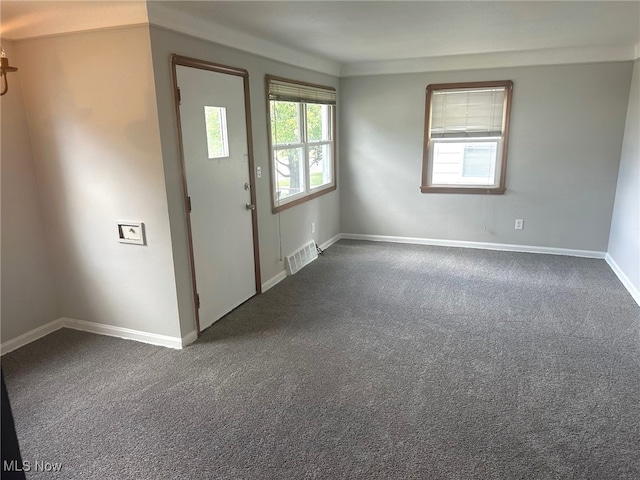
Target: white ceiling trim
165 16
558 56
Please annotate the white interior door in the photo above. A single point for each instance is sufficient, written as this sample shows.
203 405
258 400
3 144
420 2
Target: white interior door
216 162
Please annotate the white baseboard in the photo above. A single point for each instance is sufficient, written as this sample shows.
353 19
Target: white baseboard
31 336
631 288
189 338
444 243
121 332
178 343
99 328
273 281
480 245
330 242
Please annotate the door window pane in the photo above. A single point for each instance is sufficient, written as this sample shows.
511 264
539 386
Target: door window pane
216 124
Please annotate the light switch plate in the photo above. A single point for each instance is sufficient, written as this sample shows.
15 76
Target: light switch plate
131 232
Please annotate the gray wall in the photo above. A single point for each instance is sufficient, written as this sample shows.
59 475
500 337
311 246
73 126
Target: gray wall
624 243
292 227
28 292
98 158
102 146
567 126
90 104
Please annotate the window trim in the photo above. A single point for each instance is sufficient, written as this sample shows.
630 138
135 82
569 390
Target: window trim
310 193
425 187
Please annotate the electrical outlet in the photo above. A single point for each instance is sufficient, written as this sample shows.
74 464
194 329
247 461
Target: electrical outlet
259 172
313 227
519 224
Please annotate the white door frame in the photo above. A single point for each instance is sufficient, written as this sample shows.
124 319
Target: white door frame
179 60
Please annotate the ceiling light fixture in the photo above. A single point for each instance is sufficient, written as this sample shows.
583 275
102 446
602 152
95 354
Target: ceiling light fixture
5 68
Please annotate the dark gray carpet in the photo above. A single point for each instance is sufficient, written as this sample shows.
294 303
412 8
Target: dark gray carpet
375 361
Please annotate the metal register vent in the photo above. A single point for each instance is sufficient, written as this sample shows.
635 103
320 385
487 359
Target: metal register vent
301 257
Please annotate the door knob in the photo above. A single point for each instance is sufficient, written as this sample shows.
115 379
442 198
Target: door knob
250 206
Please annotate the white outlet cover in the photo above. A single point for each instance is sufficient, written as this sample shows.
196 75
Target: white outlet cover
131 232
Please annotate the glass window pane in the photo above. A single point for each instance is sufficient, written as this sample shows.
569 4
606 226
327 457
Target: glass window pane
464 163
318 122
285 123
289 172
320 165
216 125
478 161
447 162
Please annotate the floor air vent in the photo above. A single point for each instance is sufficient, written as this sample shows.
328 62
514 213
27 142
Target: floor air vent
301 257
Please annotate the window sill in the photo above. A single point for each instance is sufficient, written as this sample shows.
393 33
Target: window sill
474 190
293 203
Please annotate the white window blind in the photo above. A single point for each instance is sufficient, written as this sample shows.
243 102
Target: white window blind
297 92
467 113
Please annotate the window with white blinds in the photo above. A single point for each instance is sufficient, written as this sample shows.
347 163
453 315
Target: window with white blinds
466 132
301 141
285 91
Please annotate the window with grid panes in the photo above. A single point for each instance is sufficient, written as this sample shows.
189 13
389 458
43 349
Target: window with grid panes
466 132
302 140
